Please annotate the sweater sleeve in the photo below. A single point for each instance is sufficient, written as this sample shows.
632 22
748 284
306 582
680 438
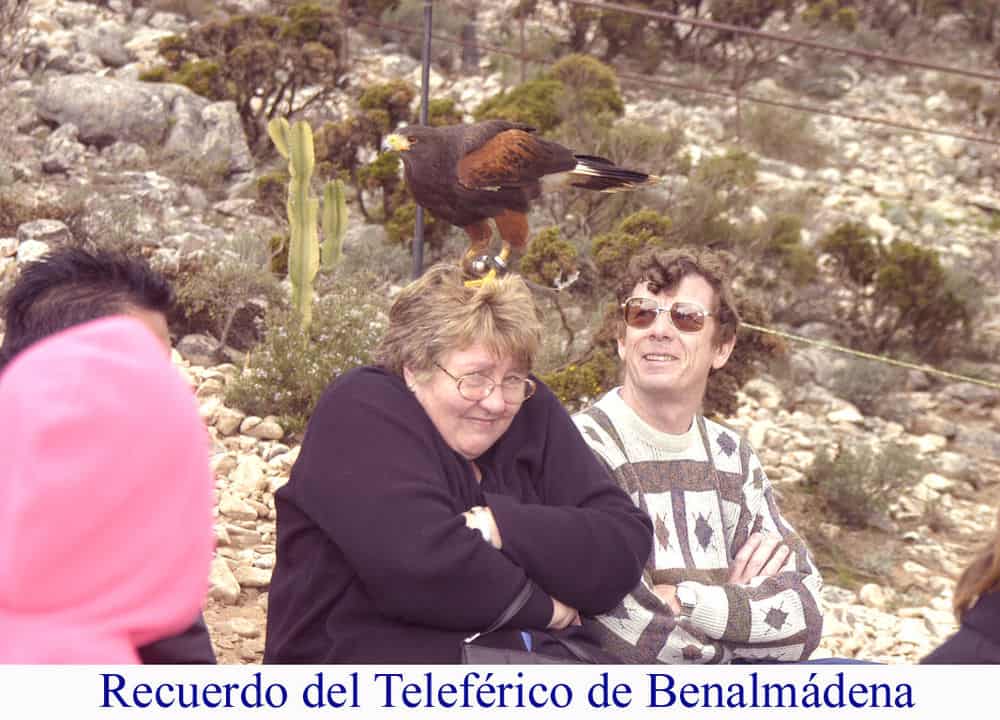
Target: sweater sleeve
586 543
374 479
781 612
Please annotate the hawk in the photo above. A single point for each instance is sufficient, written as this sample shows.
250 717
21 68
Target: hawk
469 174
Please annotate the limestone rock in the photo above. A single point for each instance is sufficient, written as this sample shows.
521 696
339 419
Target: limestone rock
249 474
63 151
237 509
47 232
262 428
198 349
244 627
223 585
228 420
873 595
253 577
106 109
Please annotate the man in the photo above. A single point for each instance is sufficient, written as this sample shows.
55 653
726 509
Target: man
71 286
728 579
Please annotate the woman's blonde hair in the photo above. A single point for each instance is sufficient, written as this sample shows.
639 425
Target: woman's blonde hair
982 575
438 313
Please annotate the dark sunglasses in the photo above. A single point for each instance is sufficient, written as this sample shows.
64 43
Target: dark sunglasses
686 316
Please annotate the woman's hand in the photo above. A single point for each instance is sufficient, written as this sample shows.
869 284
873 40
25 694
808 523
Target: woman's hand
481 518
563 616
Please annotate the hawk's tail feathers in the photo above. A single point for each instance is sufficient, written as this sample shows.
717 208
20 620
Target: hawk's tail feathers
597 173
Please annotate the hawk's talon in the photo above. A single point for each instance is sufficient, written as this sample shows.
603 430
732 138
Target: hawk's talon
497 266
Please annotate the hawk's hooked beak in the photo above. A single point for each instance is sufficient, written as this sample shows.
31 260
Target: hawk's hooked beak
395 143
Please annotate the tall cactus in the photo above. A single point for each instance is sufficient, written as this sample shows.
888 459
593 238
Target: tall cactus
295 143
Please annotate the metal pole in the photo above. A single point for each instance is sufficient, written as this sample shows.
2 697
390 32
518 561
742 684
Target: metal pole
425 89
524 62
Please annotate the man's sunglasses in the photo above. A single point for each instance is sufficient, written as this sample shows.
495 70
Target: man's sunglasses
641 312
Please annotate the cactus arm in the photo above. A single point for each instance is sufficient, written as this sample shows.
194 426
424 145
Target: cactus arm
278 130
303 212
334 223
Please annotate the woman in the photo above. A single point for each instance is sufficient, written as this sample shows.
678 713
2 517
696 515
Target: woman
105 498
977 608
432 487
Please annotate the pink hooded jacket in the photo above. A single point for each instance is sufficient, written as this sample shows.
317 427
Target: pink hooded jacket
105 498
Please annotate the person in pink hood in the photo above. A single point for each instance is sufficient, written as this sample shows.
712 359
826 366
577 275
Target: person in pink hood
105 497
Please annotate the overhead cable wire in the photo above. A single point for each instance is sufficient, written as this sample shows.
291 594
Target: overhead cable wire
787 39
871 356
657 82
871 119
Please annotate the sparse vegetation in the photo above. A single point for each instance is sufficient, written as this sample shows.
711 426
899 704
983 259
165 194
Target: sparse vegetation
858 484
223 293
784 135
286 374
13 35
864 383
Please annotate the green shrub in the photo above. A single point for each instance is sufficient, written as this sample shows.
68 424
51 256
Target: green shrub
858 485
733 171
443 111
593 87
577 385
782 250
576 86
902 295
783 135
550 259
854 251
966 92
933 306
387 105
840 13
288 371
865 383
260 61
639 231
534 102
402 225
382 175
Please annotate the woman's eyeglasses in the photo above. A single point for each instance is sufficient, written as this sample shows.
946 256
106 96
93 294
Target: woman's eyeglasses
686 316
476 387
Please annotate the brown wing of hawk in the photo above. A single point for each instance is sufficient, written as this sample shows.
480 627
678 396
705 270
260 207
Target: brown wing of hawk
470 174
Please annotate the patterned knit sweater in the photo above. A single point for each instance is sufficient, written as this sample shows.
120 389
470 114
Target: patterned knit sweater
704 504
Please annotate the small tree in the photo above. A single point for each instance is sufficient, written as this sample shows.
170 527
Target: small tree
270 65
898 295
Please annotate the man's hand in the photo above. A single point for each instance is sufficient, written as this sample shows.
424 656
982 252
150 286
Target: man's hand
668 594
563 616
762 555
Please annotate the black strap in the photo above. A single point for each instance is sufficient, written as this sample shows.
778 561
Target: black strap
519 601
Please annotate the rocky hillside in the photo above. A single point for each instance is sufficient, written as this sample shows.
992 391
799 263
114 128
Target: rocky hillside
174 173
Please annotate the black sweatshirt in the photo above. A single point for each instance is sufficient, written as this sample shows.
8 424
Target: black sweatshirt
374 561
977 641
